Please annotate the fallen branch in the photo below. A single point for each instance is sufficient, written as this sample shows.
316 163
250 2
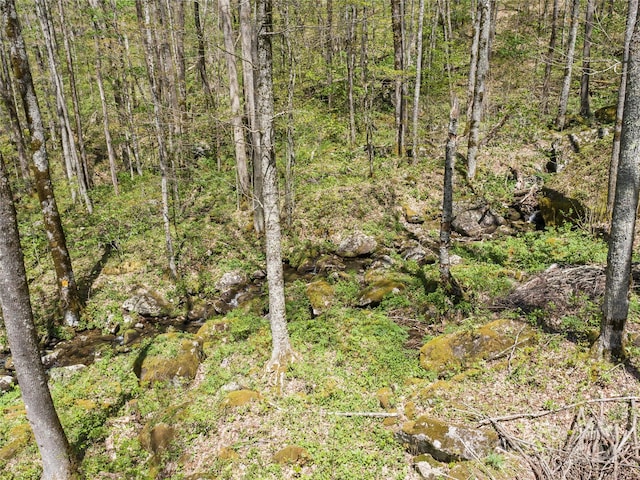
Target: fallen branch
364 414
516 416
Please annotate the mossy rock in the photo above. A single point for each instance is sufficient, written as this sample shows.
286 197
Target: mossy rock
177 361
376 292
212 330
238 398
384 396
606 114
411 215
19 437
451 353
292 455
321 295
158 438
557 209
446 442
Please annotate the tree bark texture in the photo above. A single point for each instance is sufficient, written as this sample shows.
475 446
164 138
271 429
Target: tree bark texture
9 102
616 302
67 287
546 82
57 461
447 196
632 13
142 12
484 14
234 98
585 104
571 49
75 172
400 101
416 92
249 54
282 351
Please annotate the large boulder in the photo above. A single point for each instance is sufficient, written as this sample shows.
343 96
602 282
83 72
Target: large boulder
229 280
475 219
173 358
378 290
446 442
357 245
321 295
145 302
452 353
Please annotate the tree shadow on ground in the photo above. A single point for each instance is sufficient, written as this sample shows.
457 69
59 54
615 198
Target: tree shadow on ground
85 284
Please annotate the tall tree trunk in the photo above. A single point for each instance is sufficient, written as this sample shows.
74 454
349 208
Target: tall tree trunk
546 82
201 61
566 84
142 12
289 193
57 460
585 107
53 225
106 128
632 13
329 53
247 40
484 12
397 24
616 302
282 352
67 135
350 19
9 102
447 200
234 98
416 93
83 169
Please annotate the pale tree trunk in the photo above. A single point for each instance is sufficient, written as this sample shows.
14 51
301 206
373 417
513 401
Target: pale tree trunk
97 39
9 102
83 169
289 192
350 19
585 107
126 92
234 98
616 302
74 169
632 13
473 62
57 460
397 24
546 82
447 198
571 49
247 40
67 287
329 52
416 93
282 352
482 69
201 61
367 96
142 12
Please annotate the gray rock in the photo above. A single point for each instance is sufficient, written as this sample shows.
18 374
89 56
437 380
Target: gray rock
6 383
357 245
144 303
65 373
446 442
230 280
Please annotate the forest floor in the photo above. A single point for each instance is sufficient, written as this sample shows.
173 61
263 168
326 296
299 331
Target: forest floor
228 418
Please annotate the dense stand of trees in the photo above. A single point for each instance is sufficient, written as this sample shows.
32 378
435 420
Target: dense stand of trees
150 72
